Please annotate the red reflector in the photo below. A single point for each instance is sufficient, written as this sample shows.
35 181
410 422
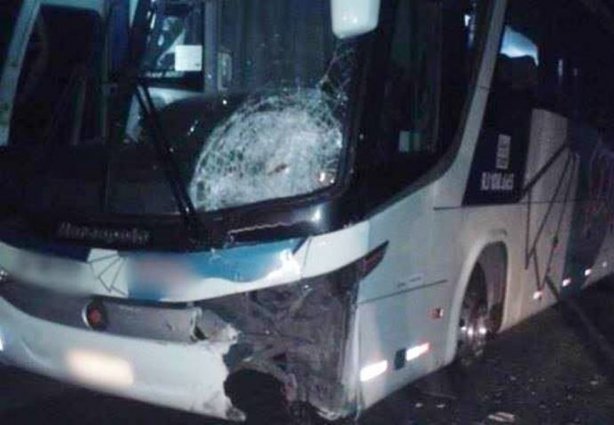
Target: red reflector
437 313
95 316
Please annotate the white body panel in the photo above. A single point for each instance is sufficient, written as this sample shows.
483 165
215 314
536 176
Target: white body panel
107 273
192 381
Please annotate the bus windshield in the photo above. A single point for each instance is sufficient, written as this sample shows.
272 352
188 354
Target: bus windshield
267 72
251 97
238 46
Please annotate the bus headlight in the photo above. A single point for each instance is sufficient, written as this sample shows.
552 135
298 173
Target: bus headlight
100 369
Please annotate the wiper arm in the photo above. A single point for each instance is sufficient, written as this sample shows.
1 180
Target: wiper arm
164 151
131 84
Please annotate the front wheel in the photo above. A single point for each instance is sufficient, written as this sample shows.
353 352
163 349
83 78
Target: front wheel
474 323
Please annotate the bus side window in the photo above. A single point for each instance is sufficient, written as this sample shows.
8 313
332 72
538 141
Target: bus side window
584 66
411 98
427 58
515 81
552 56
497 171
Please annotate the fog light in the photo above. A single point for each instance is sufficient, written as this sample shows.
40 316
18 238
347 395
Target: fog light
100 369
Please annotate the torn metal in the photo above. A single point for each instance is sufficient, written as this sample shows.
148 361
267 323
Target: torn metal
297 333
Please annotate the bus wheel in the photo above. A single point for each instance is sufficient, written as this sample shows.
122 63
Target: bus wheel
474 323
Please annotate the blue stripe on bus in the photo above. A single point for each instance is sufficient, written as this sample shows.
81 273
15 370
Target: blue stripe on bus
243 264
240 265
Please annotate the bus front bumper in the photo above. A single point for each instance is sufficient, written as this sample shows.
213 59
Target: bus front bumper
188 377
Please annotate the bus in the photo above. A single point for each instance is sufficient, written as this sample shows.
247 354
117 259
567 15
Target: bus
326 199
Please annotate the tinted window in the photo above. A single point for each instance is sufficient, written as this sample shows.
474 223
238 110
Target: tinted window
498 165
425 86
572 68
239 46
8 17
411 98
56 99
516 75
585 65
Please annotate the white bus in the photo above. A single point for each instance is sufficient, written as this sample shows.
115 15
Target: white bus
335 197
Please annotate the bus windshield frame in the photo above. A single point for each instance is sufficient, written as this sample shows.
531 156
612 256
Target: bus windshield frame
122 175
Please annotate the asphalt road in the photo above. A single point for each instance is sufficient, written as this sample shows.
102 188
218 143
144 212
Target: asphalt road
549 370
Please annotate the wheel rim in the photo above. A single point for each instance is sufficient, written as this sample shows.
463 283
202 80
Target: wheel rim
473 328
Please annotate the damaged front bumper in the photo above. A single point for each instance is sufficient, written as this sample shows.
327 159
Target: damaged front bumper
189 377
181 352
297 333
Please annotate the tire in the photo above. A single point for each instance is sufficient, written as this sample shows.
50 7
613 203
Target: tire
474 325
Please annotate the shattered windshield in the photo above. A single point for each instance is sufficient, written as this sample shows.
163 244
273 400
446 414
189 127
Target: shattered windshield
263 87
252 98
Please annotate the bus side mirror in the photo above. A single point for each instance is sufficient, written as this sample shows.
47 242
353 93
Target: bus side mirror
354 17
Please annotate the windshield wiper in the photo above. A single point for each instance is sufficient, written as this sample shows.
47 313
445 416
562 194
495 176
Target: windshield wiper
164 151
130 85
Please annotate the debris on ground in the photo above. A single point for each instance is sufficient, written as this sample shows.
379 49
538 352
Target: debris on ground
502 417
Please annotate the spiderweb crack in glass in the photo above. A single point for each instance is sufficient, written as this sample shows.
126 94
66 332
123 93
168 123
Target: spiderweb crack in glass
279 146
